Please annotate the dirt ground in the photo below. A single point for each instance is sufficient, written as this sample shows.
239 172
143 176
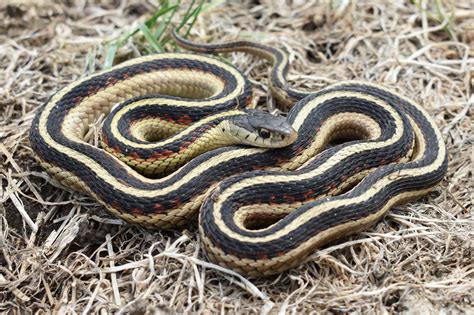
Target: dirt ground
61 252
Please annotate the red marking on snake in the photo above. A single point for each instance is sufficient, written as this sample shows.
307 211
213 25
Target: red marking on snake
184 147
105 140
168 118
92 89
135 155
185 120
158 208
137 211
299 150
116 206
307 195
248 102
77 99
280 160
176 202
111 81
161 154
289 198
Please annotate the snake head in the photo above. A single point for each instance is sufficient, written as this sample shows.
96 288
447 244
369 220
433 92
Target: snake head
261 129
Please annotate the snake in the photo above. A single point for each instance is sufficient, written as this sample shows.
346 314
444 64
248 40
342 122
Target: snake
181 141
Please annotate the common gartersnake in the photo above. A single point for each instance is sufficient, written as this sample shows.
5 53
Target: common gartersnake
262 211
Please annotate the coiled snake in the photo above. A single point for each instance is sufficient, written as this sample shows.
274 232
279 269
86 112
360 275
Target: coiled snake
262 210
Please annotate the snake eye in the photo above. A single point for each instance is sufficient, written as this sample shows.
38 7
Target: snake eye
264 133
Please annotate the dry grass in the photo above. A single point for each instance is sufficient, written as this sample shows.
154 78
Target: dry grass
61 252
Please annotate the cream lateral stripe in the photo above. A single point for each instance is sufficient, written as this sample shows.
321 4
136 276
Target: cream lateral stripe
286 208
271 57
64 91
424 113
259 51
420 146
217 213
119 137
327 206
331 204
409 101
139 60
102 101
311 105
328 128
319 238
281 67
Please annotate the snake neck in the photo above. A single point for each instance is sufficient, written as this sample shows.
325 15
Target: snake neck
216 134
157 159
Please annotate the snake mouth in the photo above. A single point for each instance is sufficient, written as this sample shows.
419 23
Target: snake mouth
263 138
280 140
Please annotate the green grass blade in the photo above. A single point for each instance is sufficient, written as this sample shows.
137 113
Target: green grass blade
110 56
160 30
157 47
153 20
186 16
193 17
211 5
155 27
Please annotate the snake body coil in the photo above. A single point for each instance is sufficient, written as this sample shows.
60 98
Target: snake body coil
280 204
